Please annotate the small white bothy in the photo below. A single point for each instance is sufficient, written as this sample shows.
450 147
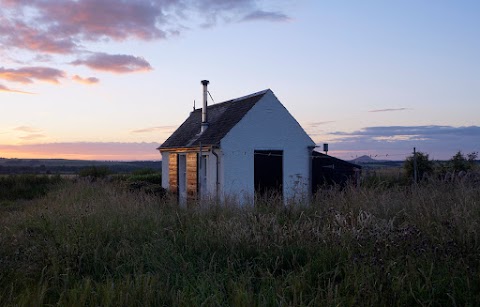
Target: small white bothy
249 145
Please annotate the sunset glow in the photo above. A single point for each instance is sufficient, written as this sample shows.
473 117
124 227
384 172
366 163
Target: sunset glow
111 80
82 151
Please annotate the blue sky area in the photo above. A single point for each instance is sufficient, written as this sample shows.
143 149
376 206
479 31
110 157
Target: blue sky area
111 79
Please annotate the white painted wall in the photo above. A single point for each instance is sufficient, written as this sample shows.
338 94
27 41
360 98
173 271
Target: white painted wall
211 178
267 126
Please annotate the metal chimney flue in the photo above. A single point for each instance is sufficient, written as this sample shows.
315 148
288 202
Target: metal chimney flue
204 125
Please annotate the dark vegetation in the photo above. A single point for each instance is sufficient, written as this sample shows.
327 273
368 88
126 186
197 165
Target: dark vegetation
141 180
60 166
99 243
95 172
13 187
458 167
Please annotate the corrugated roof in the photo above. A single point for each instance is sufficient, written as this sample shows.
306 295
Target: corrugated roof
222 117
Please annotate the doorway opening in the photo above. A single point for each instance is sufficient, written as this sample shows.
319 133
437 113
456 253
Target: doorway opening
182 178
202 176
268 172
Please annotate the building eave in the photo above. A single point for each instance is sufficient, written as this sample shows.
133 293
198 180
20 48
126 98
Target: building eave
186 149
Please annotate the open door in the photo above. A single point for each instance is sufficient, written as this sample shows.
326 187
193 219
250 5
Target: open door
182 178
268 172
202 176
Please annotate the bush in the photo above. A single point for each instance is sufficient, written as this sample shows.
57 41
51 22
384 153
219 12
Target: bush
95 172
145 171
150 178
147 181
460 163
424 165
15 187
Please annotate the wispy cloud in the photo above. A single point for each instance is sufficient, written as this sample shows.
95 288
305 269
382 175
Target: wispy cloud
424 131
89 80
29 133
29 74
440 141
162 129
315 129
32 136
321 123
26 129
260 15
117 63
3 88
389 110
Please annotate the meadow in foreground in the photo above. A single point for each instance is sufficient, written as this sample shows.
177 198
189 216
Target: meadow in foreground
96 244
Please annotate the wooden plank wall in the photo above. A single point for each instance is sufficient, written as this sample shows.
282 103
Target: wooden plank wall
173 172
192 174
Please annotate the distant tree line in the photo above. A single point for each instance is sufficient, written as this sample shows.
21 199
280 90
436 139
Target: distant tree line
424 166
114 168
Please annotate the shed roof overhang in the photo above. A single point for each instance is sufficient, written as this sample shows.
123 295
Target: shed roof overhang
186 149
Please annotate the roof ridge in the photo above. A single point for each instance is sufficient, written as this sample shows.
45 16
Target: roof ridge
250 95
222 117
234 100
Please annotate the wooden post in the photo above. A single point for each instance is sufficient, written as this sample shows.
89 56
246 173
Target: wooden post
199 172
415 175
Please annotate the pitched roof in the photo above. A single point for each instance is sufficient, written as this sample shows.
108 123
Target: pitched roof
329 160
222 117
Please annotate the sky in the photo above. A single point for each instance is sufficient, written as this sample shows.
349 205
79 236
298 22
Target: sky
112 79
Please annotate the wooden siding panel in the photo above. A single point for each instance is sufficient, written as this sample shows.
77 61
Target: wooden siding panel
192 170
173 172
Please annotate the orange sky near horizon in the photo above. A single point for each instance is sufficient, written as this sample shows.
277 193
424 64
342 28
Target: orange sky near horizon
83 151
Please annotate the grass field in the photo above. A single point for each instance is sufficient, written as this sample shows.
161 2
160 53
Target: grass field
97 244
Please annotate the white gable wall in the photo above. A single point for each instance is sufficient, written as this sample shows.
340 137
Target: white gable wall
267 126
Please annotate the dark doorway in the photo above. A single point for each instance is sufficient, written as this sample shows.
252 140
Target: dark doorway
268 172
328 171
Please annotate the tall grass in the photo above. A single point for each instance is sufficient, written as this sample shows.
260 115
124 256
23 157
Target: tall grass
13 187
90 244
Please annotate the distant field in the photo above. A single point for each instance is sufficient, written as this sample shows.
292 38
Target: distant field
61 166
98 244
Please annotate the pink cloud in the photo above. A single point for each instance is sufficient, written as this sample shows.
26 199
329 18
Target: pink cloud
20 35
118 20
3 88
59 26
116 63
88 81
65 27
28 74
